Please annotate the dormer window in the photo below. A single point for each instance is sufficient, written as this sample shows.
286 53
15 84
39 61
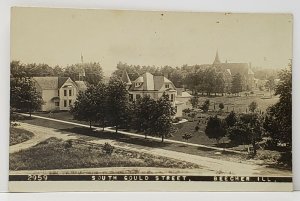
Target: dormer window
167 86
138 84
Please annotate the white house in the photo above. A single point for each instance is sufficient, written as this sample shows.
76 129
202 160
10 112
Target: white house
154 86
58 93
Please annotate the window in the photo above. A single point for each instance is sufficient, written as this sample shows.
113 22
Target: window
65 103
176 109
131 97
57 104
137 84
172 97
138 96
57 92
65 92
167 86
70 102
70 92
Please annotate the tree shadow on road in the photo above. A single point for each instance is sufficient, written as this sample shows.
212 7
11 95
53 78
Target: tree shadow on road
91 134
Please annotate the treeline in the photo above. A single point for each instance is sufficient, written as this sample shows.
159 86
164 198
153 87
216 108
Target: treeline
93 73
109 105
198 78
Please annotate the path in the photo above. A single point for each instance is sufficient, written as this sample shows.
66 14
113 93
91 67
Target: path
40 134
109 129
208 165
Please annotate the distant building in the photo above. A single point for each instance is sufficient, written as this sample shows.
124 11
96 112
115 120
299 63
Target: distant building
153 86
231 69
58 93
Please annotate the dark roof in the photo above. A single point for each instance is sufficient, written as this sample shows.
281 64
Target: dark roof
61 81
50 82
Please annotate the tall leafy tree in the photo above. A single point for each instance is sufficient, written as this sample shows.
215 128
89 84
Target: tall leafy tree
236 84
270 84
100 101
163 113
248 129
143 114
117 102
23 95
85 107
280 114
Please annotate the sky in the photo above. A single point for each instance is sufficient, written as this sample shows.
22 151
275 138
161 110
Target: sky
59 37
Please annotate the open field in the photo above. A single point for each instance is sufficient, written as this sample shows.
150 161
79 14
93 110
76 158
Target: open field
58 154
18 135
241 103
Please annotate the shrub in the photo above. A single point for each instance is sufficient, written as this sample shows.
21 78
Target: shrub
205 106
68 144
221 106
286 159
108 148
187 136
187 110
197 128
253 106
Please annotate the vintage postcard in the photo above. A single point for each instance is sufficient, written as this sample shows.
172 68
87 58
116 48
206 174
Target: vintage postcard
113 100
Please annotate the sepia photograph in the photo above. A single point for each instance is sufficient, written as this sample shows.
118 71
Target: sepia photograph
120 100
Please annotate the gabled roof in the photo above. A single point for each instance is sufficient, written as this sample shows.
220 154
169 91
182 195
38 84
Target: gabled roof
150 82
47 83
81 85
61 81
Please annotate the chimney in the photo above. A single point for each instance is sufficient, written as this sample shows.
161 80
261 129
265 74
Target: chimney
179 91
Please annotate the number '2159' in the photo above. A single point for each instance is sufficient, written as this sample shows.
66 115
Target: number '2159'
37 178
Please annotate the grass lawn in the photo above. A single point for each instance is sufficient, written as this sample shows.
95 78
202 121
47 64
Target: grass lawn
18 135
88 134
241 103
56 154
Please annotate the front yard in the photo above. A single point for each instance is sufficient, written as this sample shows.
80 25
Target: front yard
58 154
18 135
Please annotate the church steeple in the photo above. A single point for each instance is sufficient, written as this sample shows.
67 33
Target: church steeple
217 59
81 73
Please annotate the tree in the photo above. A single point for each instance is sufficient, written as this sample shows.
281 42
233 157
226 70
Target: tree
194 101
231 119
85 107
100 101
221 106
252 106
117 102
205 106
23 95
93 73
248 129
163 113
215 128
236 84
270 84
143 114
220 84
280 114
